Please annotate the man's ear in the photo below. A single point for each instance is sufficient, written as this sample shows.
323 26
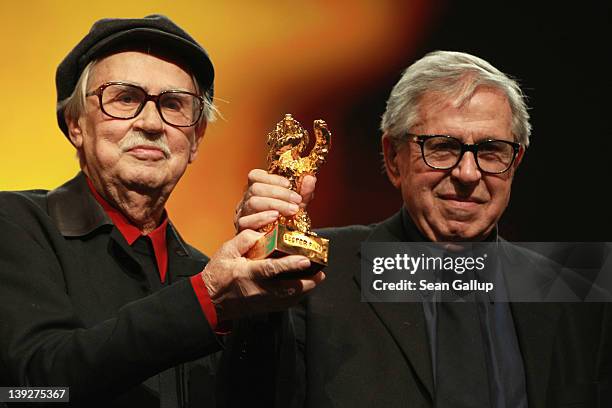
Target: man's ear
519 157
75 132
199 136
390 160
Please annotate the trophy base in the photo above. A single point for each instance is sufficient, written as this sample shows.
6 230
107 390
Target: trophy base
281 241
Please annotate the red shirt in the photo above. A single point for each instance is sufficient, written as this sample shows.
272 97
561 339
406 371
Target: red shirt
158 239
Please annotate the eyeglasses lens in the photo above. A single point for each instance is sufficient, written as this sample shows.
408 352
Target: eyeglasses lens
176 107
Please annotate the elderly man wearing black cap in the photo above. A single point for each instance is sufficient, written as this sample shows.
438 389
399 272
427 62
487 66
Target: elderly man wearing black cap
99 292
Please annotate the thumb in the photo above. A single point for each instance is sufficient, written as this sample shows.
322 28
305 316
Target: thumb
307 189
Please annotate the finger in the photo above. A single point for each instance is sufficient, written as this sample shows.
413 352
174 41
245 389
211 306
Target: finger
262 176
270 268
256 221
259 204
292 288
283 288
273 191
311 282
307 189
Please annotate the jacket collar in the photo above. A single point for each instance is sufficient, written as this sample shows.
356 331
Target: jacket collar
76 212
397 228
74 209
404 321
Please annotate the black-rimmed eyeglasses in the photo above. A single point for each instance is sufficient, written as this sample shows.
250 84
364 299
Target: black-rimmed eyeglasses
120 100
443 152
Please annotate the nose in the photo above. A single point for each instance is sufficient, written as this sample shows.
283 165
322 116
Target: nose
149 119
467 171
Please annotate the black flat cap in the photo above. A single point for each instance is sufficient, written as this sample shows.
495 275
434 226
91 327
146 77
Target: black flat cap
156 34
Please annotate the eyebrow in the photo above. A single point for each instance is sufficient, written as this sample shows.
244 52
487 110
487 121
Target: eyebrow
476 139
163 89
490 137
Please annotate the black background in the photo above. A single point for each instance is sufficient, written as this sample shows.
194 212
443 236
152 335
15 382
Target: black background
559 52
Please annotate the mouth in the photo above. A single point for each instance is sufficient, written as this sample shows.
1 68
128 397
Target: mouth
462 201
146 152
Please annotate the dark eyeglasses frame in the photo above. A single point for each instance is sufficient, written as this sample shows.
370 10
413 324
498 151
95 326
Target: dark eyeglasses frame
148 97
465 147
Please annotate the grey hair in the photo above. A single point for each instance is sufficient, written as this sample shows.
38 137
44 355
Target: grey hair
454 74
74 106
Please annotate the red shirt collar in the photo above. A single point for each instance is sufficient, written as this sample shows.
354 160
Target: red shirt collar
131 233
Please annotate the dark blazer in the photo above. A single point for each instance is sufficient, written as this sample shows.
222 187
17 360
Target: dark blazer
77 310
337 351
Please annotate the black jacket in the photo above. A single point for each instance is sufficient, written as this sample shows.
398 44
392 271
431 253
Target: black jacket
77 310
338 351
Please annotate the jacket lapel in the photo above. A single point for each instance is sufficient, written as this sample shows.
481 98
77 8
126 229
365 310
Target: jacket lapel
182 261
536 323
405 322
535 329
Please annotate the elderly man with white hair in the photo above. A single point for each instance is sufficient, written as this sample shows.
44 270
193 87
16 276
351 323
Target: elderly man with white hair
453 135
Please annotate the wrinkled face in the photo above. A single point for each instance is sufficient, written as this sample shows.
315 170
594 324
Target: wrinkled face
143 153
461 203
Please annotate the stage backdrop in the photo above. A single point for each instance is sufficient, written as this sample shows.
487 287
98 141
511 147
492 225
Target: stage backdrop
336 61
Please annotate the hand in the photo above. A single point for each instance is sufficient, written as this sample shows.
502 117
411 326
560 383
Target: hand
239 286
267 196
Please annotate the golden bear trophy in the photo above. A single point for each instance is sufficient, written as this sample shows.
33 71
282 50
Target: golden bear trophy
292 235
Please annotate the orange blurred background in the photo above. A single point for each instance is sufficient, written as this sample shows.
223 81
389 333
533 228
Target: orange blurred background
336 61
307 58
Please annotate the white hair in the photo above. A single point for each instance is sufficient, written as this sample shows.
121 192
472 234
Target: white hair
455 74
